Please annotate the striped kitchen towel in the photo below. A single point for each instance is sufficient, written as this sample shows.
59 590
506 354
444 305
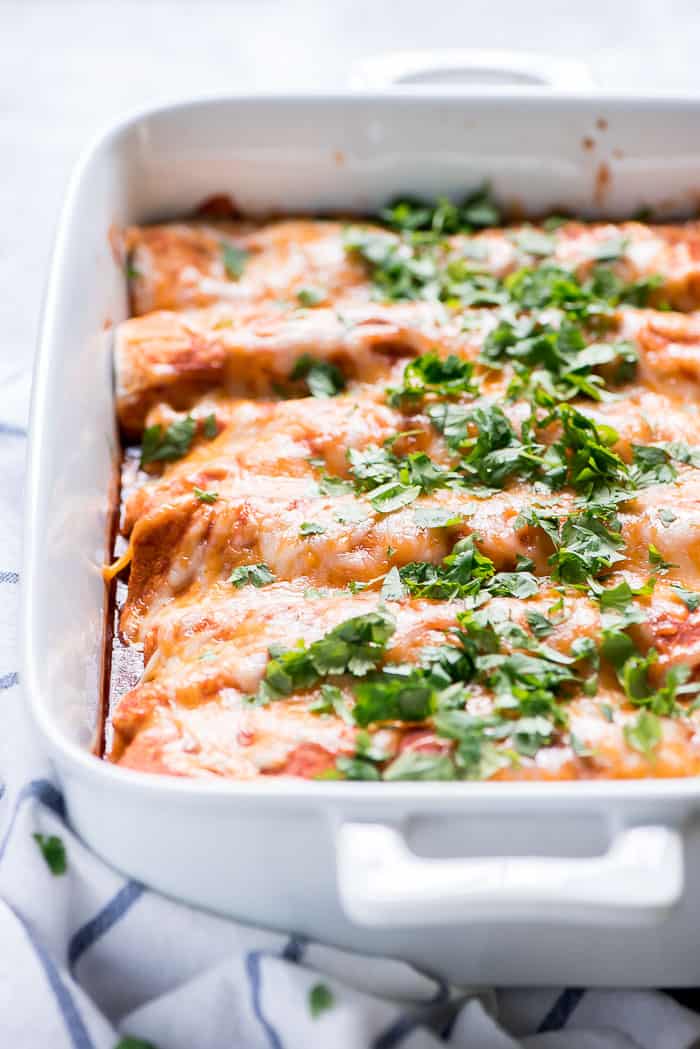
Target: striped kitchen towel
89 960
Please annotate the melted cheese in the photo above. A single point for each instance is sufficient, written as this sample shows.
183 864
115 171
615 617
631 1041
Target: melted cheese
205 342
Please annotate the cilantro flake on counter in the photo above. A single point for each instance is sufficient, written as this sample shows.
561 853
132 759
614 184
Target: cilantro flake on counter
54 852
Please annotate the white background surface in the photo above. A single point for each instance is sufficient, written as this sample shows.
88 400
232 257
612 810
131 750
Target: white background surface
69 68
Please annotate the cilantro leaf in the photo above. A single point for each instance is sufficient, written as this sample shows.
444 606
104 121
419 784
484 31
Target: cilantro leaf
320 1000
392 587
210 427
417 765
644 734
690 599
334 486
159 445
311 528
395 482
205 497
54 852
586 543
355 646
539 624
477 211
657 561
436 517
532 242
461 573
431 374
256 575
234 260
129 1042
399 694
357 768
322 378
310 297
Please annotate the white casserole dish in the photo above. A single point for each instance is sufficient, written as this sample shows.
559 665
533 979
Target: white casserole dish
588 883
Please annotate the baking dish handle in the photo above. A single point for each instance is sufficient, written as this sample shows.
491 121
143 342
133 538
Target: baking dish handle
469 67
382 883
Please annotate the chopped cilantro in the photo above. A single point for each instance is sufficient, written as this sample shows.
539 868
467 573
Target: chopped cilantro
412 765
210 427
159 445
54 852
435 517
690 599
234 260
431 374
320 1000
461 573
311 528
513 584
256 575
395 482
532 242
586 543
311 296
397 694
539 624
129 1042
357 768
334 486
644 733
322 378
477 211
558 359
331 701
355 646
313 593
657 561
393 588
652 465
205 497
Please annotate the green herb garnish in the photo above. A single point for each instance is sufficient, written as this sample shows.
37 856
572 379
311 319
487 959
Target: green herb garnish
234 260
256 575
205 497
159 445
54 852
322 378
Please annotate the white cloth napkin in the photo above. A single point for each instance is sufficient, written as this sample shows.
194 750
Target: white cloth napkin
89 960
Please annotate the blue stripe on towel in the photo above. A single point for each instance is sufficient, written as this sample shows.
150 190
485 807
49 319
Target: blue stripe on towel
43 791
78 1032
405 1024
10 430
9 577
559 1014
294 948
397 1031
253 970
105 919
8 680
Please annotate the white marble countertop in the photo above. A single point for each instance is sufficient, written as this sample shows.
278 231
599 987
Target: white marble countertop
70 67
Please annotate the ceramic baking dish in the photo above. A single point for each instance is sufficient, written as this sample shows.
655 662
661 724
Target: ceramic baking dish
588 882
